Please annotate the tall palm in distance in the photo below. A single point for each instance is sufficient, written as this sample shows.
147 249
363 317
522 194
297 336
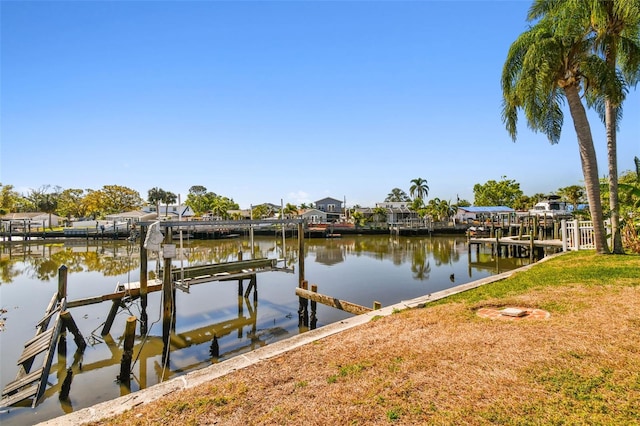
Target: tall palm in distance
155 196
616 24
550 61
397 195
419 188
169 198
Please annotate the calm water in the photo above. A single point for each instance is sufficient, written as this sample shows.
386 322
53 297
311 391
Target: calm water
359 269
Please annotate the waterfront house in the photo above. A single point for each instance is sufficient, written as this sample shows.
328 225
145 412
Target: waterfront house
331 206
243 214
170 212
313 215
131 217
398 212
30 220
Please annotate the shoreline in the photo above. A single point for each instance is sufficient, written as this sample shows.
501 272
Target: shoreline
190 380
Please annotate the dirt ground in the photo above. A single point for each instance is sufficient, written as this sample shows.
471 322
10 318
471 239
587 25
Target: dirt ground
441 365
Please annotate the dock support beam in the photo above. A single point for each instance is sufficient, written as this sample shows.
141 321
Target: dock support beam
143 281
300 253
167 302
111 317
70 324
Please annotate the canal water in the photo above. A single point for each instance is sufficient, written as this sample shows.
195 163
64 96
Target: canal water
359 269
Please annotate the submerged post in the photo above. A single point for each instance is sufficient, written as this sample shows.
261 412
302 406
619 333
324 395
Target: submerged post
127 353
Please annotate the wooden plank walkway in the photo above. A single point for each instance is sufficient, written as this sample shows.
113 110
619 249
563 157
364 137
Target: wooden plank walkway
192 275
514 241
32 384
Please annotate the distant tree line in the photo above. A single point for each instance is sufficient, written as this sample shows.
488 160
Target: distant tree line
96 204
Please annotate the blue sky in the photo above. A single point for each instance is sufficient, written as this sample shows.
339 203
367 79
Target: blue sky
268 100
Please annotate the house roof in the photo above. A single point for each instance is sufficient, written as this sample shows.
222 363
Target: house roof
323 200
132 214
312 211
486 209
26 216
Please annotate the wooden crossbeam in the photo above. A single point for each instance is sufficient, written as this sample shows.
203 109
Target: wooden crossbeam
333 302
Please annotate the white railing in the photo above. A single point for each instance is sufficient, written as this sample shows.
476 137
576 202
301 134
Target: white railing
578 234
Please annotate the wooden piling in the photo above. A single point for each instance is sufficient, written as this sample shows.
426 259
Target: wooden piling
300 253
531 246
143 281
314 304
303 307
62 282
521 230
313 320
167 301
214 349
127 354
240 280
377 305
70 324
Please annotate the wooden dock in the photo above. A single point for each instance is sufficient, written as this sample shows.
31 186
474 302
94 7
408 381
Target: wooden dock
192 275
515 246
31 384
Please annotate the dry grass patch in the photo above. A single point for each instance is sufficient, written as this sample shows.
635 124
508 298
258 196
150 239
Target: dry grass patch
442 365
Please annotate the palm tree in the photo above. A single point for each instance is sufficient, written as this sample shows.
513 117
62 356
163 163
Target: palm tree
551 61
155 196
379 215
446 209
290 210
397 195
357 218
419 188
616 25
168 198
433 209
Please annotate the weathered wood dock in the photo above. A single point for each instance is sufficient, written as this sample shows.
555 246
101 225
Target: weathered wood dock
515 246
31 384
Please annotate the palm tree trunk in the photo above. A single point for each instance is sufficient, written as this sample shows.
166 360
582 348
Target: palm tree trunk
610 121
589 163
614 205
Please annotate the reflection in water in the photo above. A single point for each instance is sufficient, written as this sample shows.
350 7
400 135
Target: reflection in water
214 321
